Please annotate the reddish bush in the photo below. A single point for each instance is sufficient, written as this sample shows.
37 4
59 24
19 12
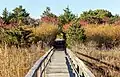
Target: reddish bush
46 19
117 22
4 25
11 25
66 26
83 23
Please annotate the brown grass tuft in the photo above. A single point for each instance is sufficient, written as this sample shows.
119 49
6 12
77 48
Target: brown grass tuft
15 62
103 63
104 35
110 31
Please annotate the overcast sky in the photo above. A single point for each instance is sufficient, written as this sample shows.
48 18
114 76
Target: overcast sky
36 7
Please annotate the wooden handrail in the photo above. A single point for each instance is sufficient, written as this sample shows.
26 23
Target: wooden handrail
37 70
78 66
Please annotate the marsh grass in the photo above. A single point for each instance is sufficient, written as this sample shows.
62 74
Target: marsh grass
104 35
15 62
103 63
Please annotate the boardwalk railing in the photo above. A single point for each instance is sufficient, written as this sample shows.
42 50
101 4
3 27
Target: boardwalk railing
38 70
78 66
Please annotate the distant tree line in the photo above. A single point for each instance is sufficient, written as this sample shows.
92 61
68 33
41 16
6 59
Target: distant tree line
99 16
19 24
20 16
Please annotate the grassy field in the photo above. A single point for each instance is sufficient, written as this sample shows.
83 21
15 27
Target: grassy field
103 35
15 62
103 61
110 31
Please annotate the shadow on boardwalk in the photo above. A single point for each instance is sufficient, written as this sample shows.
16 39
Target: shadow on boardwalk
69 68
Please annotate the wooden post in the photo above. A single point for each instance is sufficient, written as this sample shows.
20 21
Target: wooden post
42 44
44 69
77 69
39 72
35 75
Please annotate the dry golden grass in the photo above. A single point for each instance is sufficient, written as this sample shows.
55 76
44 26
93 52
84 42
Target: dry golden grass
15 62
45 29
109 31
103 63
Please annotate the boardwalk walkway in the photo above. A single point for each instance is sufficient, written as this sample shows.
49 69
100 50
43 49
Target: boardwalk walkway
60 66
59 61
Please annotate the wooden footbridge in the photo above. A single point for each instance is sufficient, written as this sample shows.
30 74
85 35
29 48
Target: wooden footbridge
59 62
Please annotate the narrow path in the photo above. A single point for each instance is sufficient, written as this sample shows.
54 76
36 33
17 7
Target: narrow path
59 65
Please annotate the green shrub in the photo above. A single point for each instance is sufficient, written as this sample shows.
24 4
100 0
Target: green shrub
15 36
75 33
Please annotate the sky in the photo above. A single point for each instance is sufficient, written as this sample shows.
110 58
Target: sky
36 7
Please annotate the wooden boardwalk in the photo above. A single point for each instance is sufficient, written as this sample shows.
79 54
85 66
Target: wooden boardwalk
58 63
59 66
